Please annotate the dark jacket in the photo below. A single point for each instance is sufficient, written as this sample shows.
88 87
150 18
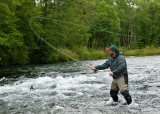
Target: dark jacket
117 65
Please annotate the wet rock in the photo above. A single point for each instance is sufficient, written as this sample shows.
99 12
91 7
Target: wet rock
75 106
53 93
69 94
51 105
158 86
53 86
64 76
31 88
24 105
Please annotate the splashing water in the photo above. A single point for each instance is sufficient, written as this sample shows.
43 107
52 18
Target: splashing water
69 88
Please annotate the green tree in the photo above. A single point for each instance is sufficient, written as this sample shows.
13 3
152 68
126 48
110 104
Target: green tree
12 48
105 28
154 25
147 23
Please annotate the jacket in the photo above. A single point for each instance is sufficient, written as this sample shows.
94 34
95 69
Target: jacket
117 65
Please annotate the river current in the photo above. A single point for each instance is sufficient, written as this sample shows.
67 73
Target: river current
70 88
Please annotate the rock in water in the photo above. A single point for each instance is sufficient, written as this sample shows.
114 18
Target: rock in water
31 88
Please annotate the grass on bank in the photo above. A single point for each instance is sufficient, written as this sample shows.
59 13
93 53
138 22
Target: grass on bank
93 54
78 54
148 51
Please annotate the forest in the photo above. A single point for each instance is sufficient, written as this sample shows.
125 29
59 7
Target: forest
49 31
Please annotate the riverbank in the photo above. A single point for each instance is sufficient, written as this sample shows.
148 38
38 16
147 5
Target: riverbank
93 54
142 52
79 54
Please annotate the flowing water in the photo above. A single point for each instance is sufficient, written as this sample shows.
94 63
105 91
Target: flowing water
70 88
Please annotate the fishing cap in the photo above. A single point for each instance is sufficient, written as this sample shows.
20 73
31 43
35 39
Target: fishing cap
113 48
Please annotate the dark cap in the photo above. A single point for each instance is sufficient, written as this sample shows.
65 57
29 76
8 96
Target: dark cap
113 48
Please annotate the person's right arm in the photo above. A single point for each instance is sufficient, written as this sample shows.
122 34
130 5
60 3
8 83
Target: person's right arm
100 67
103 66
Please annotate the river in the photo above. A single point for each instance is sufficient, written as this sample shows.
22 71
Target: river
70 88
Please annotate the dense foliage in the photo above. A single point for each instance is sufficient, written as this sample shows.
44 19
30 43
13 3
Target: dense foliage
42 31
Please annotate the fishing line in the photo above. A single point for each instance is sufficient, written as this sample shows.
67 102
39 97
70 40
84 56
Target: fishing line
70 23
45 41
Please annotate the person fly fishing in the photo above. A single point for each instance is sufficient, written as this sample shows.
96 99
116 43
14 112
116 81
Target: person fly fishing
118 67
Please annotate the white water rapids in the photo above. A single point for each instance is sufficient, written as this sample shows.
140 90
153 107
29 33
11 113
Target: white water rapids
70 88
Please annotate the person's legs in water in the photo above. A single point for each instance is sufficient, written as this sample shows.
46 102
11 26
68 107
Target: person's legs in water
124 89
114 95
114 91
127 97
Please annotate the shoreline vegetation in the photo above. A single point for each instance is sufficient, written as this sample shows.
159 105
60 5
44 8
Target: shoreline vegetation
142 52
81 54
95 54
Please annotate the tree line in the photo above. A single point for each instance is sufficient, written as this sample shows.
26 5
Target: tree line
74 24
